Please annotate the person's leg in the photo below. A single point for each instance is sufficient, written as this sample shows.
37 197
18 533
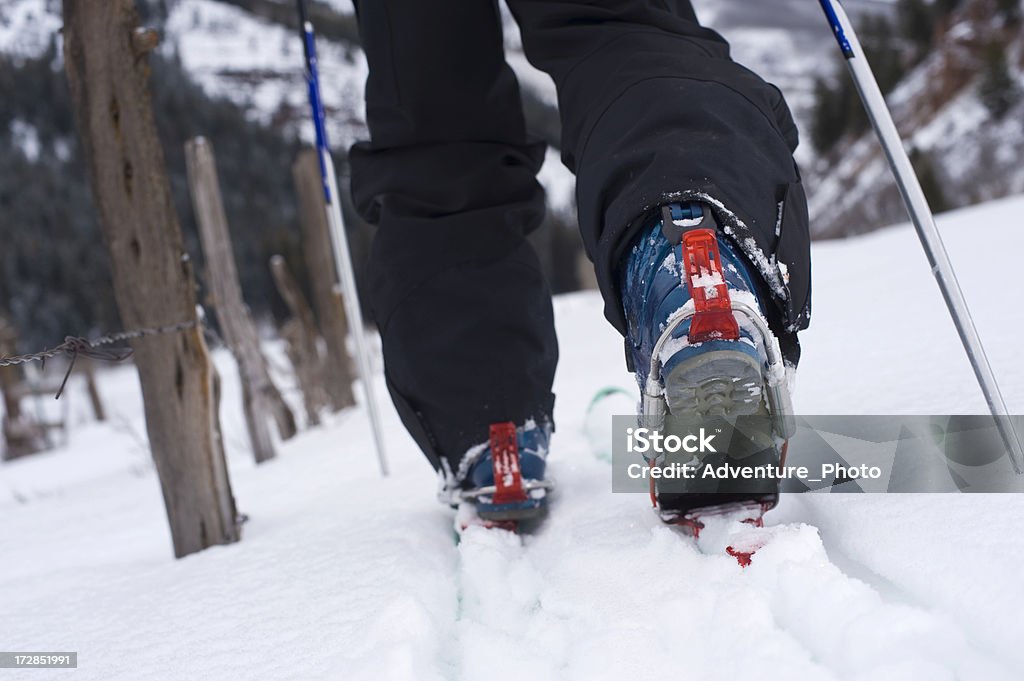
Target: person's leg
448 177
654 110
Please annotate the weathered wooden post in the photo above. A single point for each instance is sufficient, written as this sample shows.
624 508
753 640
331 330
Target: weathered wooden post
88 369
261 398
20 436
107 71
302 341
317 250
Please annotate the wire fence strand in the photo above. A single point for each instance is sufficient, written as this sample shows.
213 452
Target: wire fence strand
74 347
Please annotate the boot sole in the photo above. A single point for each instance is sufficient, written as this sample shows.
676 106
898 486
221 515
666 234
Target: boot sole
719 384
716 383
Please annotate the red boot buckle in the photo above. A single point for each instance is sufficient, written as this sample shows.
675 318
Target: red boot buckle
508 481
713 318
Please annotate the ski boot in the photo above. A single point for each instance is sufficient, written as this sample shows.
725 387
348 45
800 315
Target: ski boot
706 362
504 485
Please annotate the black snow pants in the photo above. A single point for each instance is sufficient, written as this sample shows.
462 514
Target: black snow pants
652 109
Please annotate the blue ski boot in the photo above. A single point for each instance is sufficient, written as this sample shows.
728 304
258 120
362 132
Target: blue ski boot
705 360
503 478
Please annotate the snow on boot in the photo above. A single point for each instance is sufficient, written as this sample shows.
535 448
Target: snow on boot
503 479
704 359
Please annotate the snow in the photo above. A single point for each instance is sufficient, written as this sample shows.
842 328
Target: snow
559 184
259 65
529 76
340 6
877 306
344 575
230 53
708 280
26 137
973 155
28 27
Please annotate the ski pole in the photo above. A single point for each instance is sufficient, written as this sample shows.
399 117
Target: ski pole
924 222
339 240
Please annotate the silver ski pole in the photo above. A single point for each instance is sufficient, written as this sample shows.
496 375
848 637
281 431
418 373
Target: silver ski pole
924 222
339 240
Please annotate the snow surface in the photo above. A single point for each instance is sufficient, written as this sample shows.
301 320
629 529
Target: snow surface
343 575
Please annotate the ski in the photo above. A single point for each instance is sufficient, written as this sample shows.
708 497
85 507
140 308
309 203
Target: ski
466 516
736 529
509 493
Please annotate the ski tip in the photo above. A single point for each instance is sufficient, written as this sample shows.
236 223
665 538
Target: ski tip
467 517
744 558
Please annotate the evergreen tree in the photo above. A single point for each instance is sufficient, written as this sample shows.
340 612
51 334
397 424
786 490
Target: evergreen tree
998 90
943 8
826 120
52 266
883 50
837 109
930 182
917 23
1010 10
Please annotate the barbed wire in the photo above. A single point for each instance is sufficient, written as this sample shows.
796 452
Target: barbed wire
74 347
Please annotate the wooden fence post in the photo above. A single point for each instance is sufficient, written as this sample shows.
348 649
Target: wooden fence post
107 71
261 398
88 369
316 247
301 336
20 435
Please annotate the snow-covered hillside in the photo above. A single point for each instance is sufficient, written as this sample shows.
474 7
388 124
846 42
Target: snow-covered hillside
231 53
342 575
27 27
974 156
257 64
787 42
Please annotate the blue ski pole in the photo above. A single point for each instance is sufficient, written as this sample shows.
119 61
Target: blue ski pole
924 222
339 240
